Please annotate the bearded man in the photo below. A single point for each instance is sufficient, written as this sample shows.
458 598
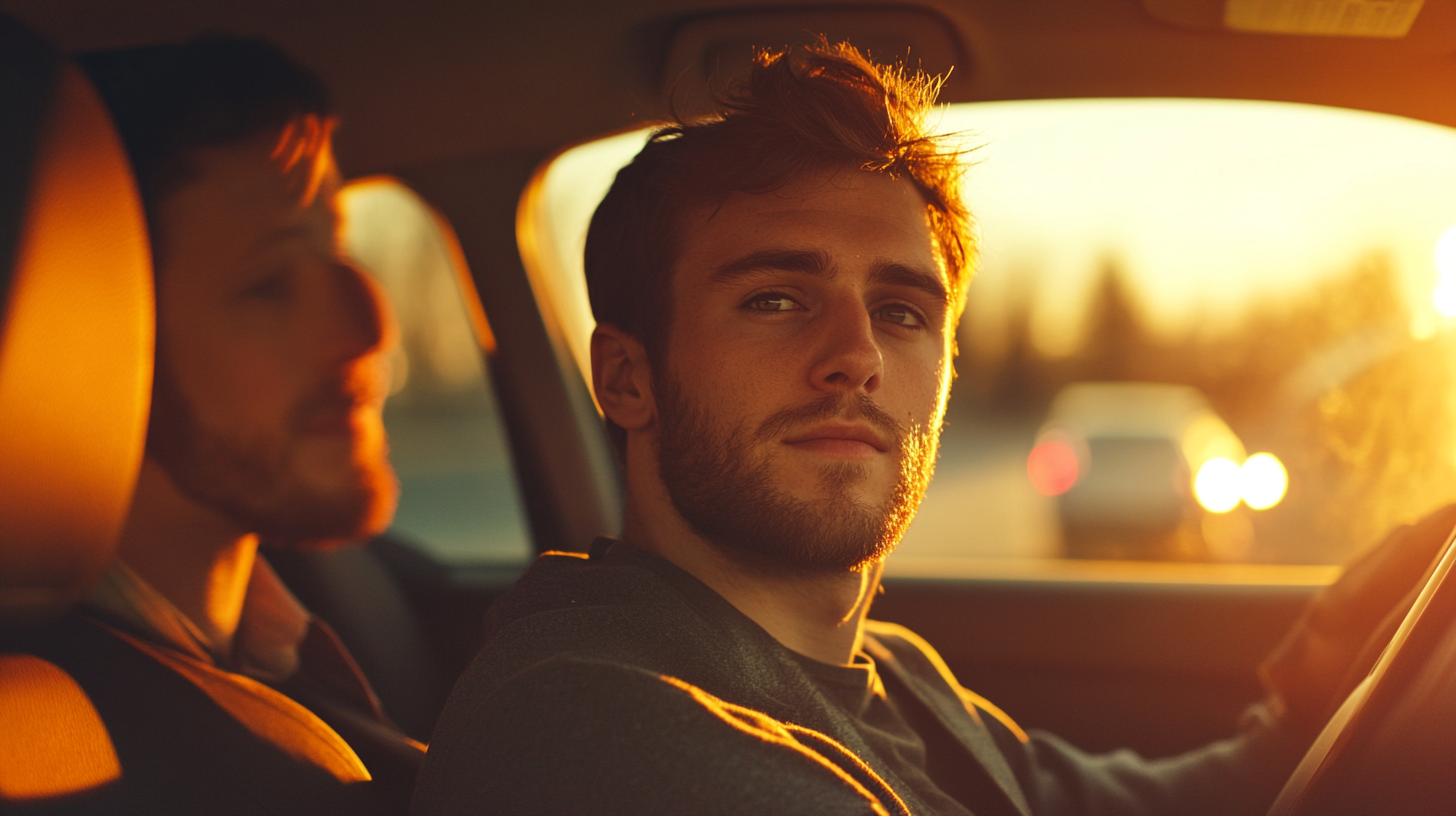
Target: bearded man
220 691
776 291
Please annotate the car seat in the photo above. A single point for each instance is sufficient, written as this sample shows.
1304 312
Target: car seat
76 332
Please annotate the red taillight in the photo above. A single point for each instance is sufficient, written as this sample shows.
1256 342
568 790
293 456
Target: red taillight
1052 467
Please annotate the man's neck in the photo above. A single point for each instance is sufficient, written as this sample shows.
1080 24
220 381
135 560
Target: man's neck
820 616
196 558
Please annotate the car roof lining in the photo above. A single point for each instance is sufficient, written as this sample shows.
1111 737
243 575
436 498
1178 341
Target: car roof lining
488 78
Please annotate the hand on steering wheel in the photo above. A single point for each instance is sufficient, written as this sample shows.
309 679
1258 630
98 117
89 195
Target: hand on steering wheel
1388 748
1343 631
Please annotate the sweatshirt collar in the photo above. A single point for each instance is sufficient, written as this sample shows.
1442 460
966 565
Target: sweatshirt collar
271 628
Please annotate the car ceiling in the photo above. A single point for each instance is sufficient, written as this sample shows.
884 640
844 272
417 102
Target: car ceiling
431 80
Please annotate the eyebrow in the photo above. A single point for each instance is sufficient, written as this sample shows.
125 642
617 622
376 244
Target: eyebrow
280 235
894 274
816 262
806 261
276 237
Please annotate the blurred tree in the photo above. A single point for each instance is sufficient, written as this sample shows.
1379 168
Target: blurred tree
1115 345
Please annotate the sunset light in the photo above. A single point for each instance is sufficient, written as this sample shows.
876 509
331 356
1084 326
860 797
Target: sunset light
1445 296
1446 253
1288 196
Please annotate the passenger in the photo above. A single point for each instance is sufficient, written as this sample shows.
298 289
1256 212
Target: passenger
221 692
776 293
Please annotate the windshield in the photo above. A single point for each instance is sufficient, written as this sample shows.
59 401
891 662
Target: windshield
1201 330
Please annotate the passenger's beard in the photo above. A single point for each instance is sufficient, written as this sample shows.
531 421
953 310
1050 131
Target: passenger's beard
253 482
726 492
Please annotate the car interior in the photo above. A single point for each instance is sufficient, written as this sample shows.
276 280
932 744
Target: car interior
1249 202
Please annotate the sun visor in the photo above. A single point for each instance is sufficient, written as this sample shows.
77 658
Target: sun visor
77 332
1382 19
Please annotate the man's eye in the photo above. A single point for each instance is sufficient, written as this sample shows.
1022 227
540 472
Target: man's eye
900 315
273 287
772 303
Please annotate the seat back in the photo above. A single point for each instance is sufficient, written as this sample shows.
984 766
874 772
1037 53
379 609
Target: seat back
76 330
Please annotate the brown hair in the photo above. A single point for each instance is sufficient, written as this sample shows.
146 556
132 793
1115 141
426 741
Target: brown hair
169 100
800 110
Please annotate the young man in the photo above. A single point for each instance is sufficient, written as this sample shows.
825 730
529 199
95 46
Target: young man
776 293
221 692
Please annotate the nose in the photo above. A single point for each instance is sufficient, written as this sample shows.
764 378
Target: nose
362 321
849 358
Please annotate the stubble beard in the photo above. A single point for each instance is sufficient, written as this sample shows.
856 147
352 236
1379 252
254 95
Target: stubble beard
252 481
726 491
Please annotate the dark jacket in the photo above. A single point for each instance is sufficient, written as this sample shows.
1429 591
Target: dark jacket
191 738
621 684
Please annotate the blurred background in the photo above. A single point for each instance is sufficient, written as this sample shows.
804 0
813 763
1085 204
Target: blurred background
1288 268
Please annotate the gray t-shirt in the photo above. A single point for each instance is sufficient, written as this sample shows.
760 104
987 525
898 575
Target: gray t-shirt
883 713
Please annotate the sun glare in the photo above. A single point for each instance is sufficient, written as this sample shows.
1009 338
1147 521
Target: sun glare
1446 253
1287 197
1445 296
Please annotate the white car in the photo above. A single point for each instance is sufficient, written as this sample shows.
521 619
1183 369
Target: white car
1123 460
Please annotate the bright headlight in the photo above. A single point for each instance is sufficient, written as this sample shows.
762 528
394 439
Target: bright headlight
1217 485
1263 481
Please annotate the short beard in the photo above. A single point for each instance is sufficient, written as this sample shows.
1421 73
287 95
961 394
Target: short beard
250 481
727 494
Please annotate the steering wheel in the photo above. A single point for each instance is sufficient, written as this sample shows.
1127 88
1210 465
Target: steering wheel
1391 748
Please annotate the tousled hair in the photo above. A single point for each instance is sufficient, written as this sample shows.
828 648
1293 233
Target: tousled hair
801 110
169 100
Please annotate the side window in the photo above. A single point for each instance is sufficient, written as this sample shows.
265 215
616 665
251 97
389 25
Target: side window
1200 331
458 498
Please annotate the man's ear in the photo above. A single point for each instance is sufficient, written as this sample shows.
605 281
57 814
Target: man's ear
621 377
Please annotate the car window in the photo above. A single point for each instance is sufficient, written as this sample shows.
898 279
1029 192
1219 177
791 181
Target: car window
1201 330
458 499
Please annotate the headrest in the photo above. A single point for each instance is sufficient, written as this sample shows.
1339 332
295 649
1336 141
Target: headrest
76 330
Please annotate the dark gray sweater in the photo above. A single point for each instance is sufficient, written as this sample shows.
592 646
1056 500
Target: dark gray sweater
621 684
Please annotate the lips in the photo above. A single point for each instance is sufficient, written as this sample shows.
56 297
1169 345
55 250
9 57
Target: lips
840 438
335 406
332 414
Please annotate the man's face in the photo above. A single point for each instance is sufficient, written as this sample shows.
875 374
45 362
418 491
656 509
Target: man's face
806 373
271 372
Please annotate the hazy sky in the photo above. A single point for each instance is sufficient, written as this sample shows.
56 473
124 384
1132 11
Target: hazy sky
1205 202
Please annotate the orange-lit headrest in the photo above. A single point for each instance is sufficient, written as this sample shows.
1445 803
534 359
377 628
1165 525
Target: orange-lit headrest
75 331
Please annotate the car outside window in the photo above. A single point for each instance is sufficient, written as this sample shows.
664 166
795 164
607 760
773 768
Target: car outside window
1206 331
458 498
